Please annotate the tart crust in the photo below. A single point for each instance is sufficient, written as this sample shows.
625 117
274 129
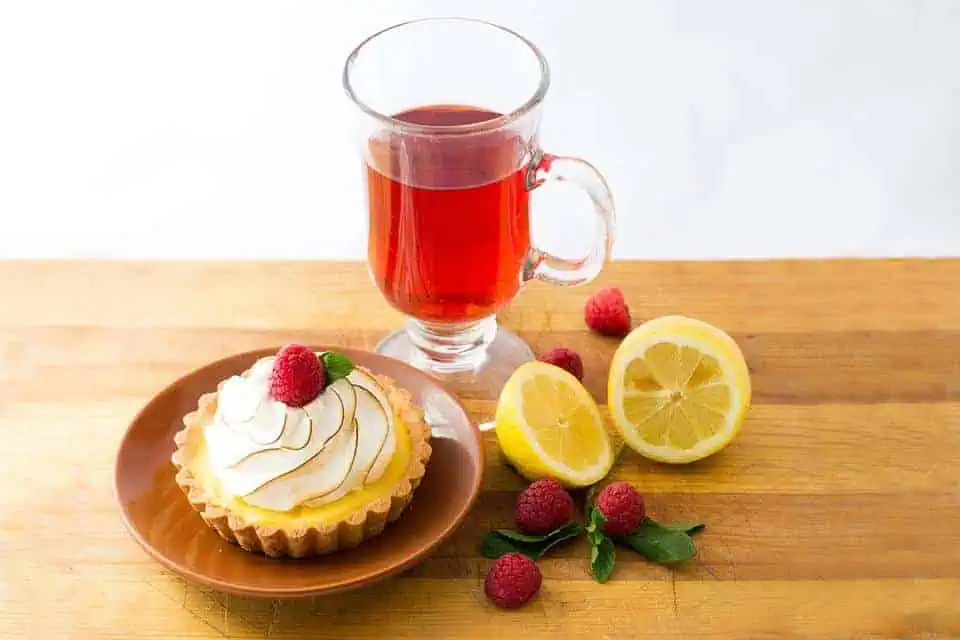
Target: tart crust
305 538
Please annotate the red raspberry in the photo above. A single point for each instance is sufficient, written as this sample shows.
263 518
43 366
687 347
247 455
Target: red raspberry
297 377
567 359
606 312
542 507
512 581
622 506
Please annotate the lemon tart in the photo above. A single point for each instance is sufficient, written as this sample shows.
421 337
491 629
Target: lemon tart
303 454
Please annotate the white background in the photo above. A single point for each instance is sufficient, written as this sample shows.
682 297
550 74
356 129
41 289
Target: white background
726 128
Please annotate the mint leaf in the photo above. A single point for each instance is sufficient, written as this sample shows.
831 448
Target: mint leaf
602 554
660 544
567 530
595 524
689 528
336 365
493 546
503 541
564 533
597 519
603 557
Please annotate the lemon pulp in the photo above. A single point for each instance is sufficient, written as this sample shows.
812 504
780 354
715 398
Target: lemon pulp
548 425
678 389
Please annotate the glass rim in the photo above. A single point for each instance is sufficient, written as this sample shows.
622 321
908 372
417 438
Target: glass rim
487 125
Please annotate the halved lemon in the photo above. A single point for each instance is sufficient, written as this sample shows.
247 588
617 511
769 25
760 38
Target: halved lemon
678 389
548 425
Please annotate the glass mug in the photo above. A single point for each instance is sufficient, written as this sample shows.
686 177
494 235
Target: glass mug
450 113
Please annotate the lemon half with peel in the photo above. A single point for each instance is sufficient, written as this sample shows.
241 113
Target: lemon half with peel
548 425
678 389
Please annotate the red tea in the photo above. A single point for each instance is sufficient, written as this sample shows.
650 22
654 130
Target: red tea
449 220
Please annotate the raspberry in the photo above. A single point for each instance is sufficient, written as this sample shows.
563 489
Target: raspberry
512 581
542 507
607 313
297 377
567 359
622 507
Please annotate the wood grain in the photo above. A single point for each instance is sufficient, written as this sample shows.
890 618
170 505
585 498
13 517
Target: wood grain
836 514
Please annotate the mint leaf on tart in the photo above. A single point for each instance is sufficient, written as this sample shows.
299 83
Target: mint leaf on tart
336 365
502 541
663 544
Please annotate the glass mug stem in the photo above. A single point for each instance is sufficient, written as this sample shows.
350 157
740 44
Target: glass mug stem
454 347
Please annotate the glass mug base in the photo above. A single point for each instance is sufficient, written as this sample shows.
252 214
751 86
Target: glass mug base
474 359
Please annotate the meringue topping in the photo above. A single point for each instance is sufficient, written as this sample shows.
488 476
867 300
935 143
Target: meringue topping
279 457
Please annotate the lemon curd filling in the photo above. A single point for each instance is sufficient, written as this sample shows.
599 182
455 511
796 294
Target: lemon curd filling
313 515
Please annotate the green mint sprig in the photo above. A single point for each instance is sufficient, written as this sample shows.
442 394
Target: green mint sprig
502 541
663 544
689 528
336 365
603 556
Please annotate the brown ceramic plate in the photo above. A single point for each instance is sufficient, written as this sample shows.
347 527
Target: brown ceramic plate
163 522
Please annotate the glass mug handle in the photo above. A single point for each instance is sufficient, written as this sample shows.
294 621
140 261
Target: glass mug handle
561 271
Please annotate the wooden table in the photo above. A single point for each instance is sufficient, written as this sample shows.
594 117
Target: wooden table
835 514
